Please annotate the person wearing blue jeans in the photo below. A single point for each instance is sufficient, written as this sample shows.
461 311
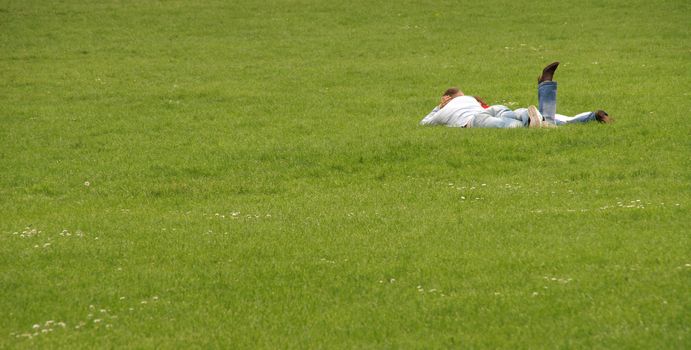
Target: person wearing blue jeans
547 103
459 110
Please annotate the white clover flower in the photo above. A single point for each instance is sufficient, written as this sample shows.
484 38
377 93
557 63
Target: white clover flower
36 326
87 183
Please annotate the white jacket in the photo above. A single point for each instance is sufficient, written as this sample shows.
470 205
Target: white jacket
456 113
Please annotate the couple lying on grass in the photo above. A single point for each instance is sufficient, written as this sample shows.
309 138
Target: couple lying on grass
459 110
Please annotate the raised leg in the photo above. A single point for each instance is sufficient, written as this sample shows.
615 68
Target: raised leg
547 93
547 100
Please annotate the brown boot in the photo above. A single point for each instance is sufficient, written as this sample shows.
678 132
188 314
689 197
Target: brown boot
548 72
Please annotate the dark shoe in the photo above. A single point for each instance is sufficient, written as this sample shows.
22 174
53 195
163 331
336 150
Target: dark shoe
548 72
602 117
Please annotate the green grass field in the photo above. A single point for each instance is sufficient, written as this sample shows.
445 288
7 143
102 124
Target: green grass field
245 174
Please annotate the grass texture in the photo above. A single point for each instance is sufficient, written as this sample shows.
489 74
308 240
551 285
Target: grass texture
245 174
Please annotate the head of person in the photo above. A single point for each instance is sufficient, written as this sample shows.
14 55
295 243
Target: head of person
449 95
453 92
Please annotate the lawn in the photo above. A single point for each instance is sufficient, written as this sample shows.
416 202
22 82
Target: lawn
245 174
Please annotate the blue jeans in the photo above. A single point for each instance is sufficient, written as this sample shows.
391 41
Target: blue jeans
547 105
498 116
547 100
578 118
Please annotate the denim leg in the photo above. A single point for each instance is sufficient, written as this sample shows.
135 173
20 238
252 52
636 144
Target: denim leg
578 118
523 115
547 100
500 111
486 120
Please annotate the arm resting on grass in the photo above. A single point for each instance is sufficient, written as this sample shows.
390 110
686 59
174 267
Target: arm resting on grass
431 119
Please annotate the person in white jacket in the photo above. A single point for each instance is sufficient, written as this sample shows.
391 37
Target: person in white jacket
458 110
